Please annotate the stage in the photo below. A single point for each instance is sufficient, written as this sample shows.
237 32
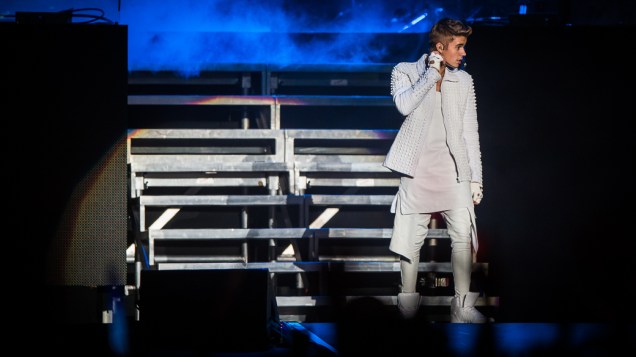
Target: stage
368 335
261 184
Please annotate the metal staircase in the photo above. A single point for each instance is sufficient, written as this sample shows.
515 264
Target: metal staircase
308 204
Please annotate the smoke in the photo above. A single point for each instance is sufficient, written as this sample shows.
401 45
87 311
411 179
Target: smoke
190 36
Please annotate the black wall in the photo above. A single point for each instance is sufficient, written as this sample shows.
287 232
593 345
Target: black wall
555 107
64 164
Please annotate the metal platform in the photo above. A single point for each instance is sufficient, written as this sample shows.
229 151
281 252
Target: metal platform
304 203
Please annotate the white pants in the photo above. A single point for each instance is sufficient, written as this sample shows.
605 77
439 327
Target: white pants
410 230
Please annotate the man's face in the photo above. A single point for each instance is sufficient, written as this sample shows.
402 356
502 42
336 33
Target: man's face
454 52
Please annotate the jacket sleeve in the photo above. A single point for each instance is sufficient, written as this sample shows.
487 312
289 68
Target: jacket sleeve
409 84
471 135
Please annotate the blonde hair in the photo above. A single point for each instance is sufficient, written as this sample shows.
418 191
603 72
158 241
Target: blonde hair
445 30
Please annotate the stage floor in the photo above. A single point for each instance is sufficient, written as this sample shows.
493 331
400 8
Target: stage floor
494 339
358 337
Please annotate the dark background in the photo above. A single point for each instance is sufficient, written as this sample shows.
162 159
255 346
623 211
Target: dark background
555 108
555 105
64 168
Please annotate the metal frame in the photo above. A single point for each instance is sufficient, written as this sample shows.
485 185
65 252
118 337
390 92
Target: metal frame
245 165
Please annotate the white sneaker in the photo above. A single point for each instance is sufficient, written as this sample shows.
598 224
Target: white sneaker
463 310
408 304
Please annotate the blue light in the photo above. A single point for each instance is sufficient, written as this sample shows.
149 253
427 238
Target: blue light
462 338
415 21
515 338
523 8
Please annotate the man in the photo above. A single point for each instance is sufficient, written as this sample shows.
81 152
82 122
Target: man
438 155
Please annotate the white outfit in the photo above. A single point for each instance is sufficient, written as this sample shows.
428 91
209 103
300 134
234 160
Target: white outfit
439 168
413 91
434 188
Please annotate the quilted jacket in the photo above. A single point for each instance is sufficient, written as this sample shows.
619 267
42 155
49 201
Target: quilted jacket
413 91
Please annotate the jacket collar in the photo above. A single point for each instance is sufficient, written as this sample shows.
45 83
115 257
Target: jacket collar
451 75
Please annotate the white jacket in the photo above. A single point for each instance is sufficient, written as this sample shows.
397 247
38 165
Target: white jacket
413 91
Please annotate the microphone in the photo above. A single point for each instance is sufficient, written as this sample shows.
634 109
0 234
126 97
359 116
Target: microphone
461 65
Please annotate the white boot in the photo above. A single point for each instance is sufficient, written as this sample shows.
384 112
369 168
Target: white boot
463 309
408 304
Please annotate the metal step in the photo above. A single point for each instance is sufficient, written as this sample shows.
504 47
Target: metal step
320 266
220 200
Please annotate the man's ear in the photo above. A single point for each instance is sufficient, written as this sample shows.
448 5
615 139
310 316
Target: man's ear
439 46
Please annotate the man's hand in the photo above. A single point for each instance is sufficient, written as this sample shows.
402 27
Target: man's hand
435 60
477 191
422 64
